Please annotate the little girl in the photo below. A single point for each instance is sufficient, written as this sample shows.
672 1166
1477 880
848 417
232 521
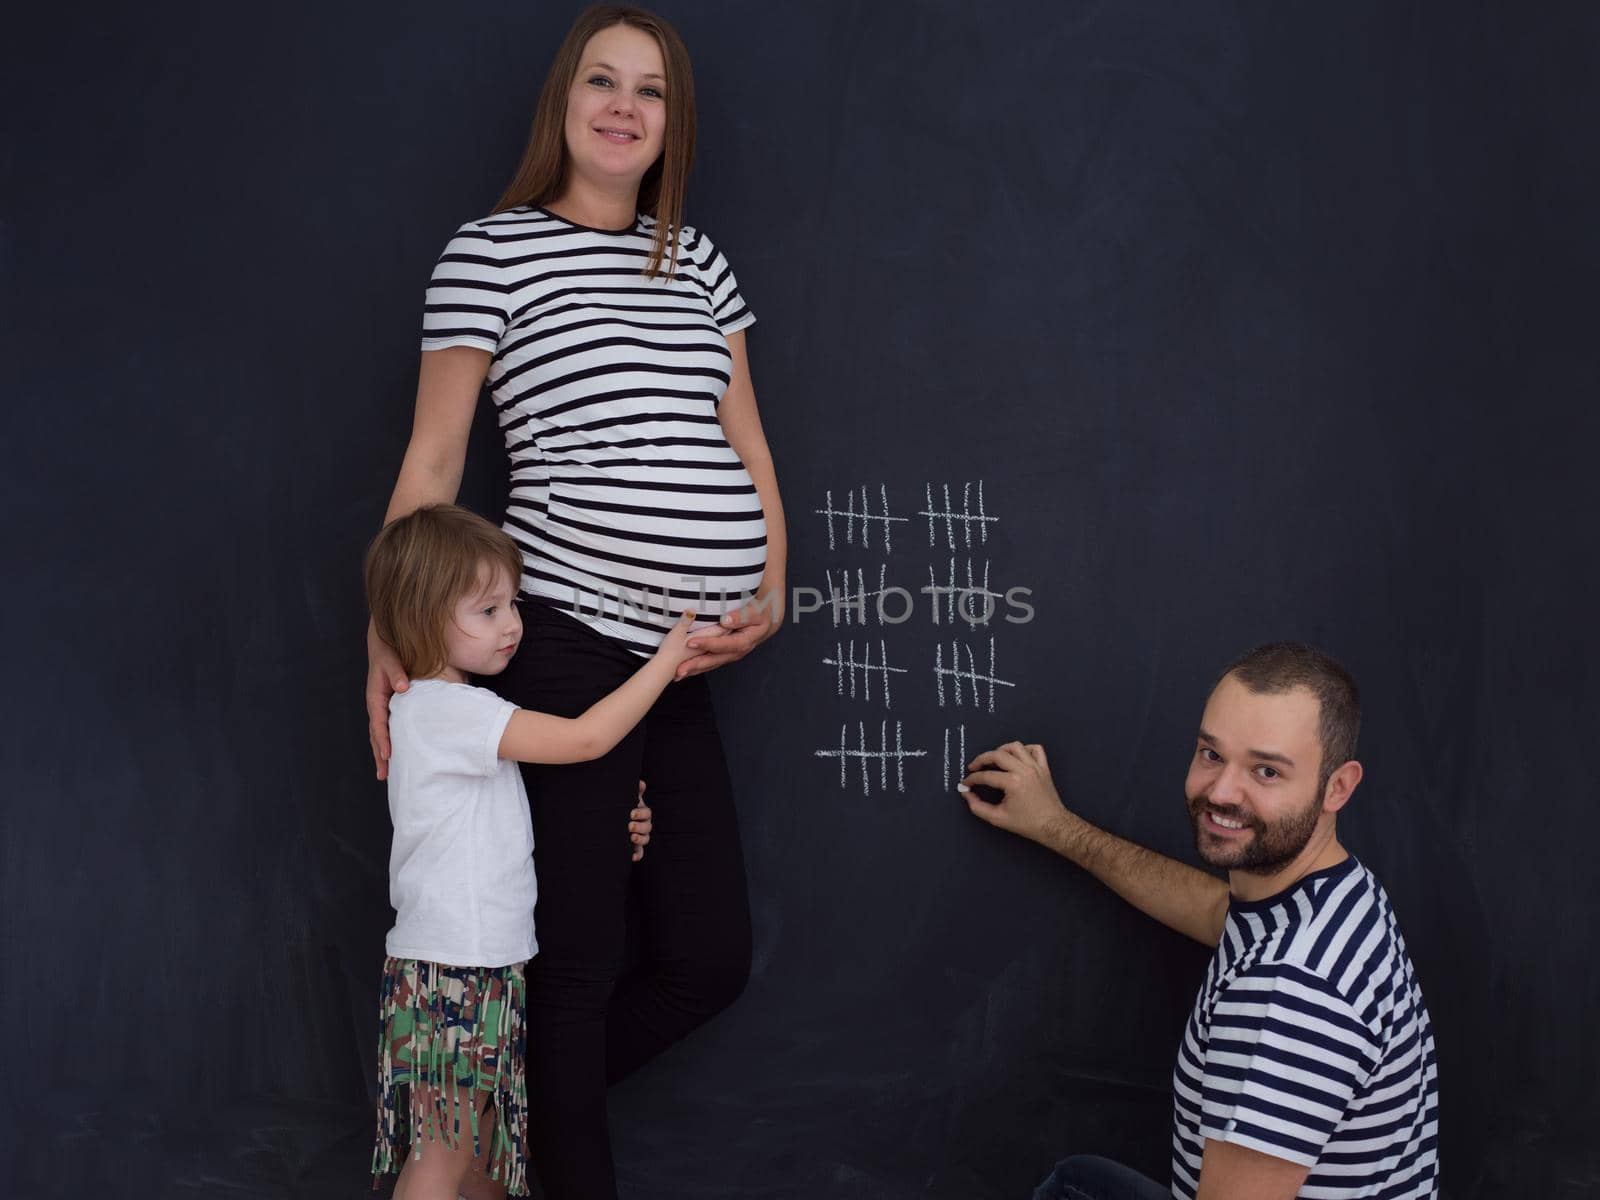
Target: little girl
442 586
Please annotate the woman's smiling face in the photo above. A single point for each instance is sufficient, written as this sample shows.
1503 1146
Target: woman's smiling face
617 106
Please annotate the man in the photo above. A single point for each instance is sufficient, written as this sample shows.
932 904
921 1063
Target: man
1307 1067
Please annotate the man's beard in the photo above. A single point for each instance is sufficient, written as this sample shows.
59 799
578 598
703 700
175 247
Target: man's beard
1269 848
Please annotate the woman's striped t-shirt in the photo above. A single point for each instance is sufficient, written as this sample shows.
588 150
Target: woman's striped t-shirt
626 498
1310 1042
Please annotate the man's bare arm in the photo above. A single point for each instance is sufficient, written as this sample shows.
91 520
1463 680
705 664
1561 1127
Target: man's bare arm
1230 1172
1174 893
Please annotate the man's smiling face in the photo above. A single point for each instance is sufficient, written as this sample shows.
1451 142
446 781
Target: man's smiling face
1254 788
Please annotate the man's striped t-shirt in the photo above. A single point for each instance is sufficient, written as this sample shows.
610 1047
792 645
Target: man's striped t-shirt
626 498
1310 1042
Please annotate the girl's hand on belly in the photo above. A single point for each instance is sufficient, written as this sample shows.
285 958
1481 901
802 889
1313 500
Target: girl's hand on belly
741 631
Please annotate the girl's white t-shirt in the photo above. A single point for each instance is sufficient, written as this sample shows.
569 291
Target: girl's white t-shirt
461 869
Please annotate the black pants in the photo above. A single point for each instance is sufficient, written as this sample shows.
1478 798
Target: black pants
588 1023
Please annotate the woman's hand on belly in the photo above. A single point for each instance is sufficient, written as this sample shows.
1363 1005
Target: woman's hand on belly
741 631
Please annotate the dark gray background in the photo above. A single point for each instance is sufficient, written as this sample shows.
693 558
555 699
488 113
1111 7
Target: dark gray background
1257 320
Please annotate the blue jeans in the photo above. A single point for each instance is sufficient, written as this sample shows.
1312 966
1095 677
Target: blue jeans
1086 1177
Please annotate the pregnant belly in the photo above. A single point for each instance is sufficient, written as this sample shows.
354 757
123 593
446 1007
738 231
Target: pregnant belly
690 535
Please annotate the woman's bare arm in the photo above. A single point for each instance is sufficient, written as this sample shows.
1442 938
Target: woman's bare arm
741 425
448 383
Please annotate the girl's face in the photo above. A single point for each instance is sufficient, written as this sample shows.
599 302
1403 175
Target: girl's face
485 627
617 107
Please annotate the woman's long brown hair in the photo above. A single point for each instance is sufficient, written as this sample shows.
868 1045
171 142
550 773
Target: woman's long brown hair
542 175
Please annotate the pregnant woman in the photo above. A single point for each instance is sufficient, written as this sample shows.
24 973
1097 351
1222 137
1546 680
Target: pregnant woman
610 335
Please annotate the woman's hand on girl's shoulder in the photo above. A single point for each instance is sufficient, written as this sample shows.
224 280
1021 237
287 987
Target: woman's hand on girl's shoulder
385 677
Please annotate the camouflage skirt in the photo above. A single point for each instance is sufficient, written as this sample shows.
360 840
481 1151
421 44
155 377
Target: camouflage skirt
441 1028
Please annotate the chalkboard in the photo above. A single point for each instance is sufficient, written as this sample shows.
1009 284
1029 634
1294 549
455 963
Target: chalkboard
1206 324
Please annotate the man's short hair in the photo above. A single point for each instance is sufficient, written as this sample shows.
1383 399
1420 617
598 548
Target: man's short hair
1284 666
419 567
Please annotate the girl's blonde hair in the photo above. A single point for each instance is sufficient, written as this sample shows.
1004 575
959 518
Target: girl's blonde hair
418 569
542 174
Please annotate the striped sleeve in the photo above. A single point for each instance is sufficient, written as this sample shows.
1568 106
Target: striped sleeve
1286 1055
727 305
467 296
